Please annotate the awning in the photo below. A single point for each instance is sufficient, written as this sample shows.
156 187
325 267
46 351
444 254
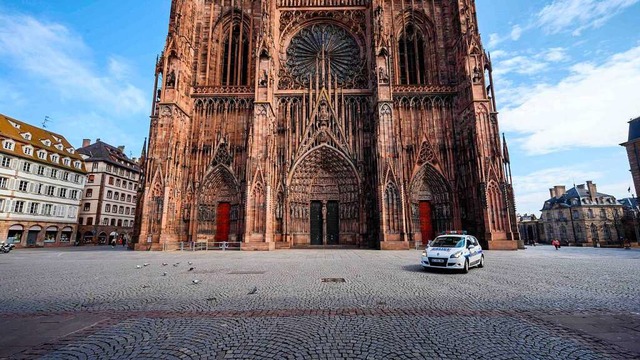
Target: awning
35 228
16 227
52 228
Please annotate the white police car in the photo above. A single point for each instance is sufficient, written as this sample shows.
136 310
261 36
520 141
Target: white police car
453 251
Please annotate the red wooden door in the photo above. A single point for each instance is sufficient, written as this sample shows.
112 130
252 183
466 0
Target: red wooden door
426 225
223 221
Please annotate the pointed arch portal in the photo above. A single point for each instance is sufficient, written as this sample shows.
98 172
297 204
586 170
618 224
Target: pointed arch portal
218 206
324 200
431 206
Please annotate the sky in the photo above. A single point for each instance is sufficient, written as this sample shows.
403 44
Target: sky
566 73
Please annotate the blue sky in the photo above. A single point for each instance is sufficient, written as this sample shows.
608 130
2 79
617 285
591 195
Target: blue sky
566 72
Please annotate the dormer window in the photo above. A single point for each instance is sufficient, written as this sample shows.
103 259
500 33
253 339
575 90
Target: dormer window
55 158
26 136
57 139
42 154
59 147
71 150
47 142
15 125
66 161
28 150
77 164
8 145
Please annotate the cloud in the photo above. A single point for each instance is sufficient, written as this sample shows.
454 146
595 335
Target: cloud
516 32
579 15
589 108
514 35
520 64
557 54
52 54
532 190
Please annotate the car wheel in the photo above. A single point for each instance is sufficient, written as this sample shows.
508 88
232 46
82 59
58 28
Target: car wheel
466 267
481 263
424 268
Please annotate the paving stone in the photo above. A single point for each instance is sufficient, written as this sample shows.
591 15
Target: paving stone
386 308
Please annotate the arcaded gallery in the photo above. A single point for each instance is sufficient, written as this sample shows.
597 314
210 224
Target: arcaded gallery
324 123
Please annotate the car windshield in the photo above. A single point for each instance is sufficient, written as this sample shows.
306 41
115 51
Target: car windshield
448 242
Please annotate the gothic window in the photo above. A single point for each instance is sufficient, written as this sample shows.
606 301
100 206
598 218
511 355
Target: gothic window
258 209
235 59
392 202
412 65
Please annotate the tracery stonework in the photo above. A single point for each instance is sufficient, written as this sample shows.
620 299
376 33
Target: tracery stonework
351 123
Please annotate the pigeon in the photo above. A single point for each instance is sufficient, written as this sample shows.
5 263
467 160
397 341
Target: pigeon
191 269
145 286
164 274
164 264
175 265
138 267
145 264
190 263
196 281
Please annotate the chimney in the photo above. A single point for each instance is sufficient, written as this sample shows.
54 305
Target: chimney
86 142
593 190
121 148
559 190
552 192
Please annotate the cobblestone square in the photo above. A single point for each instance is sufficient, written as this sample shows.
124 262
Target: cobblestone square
105 303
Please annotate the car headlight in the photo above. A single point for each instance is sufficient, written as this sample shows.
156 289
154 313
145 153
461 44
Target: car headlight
424 254
456 255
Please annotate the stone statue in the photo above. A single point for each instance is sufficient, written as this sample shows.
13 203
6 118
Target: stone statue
171 79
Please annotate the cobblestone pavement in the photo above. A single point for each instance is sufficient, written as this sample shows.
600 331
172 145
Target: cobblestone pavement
527 304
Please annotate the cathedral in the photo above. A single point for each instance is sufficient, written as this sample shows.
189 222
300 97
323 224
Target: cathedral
283 124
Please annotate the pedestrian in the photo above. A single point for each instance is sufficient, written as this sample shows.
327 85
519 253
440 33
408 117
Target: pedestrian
124 241
556 243
113 242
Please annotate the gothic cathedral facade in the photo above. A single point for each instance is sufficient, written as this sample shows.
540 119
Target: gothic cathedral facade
301 123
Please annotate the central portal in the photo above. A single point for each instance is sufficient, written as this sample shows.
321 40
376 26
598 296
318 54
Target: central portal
319 227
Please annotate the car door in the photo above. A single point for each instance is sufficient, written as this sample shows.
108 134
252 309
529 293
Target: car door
474 250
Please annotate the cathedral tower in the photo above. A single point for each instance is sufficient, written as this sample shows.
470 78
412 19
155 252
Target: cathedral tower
301 123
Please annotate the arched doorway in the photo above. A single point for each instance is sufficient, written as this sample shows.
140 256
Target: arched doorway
431 204
324 200
32 235
218 207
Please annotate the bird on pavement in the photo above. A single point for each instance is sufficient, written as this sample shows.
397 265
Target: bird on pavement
190 263
191 269
196 281
164 264
145 264
164 274
138 267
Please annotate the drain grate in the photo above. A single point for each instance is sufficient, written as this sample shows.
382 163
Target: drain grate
246 272
337 280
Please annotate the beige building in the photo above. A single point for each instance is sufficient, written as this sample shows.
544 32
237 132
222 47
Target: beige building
582 216
531 229
109 200
41 182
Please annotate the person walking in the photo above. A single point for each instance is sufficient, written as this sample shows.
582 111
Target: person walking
556 243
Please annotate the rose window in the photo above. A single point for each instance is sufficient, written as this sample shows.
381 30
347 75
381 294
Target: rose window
323 49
